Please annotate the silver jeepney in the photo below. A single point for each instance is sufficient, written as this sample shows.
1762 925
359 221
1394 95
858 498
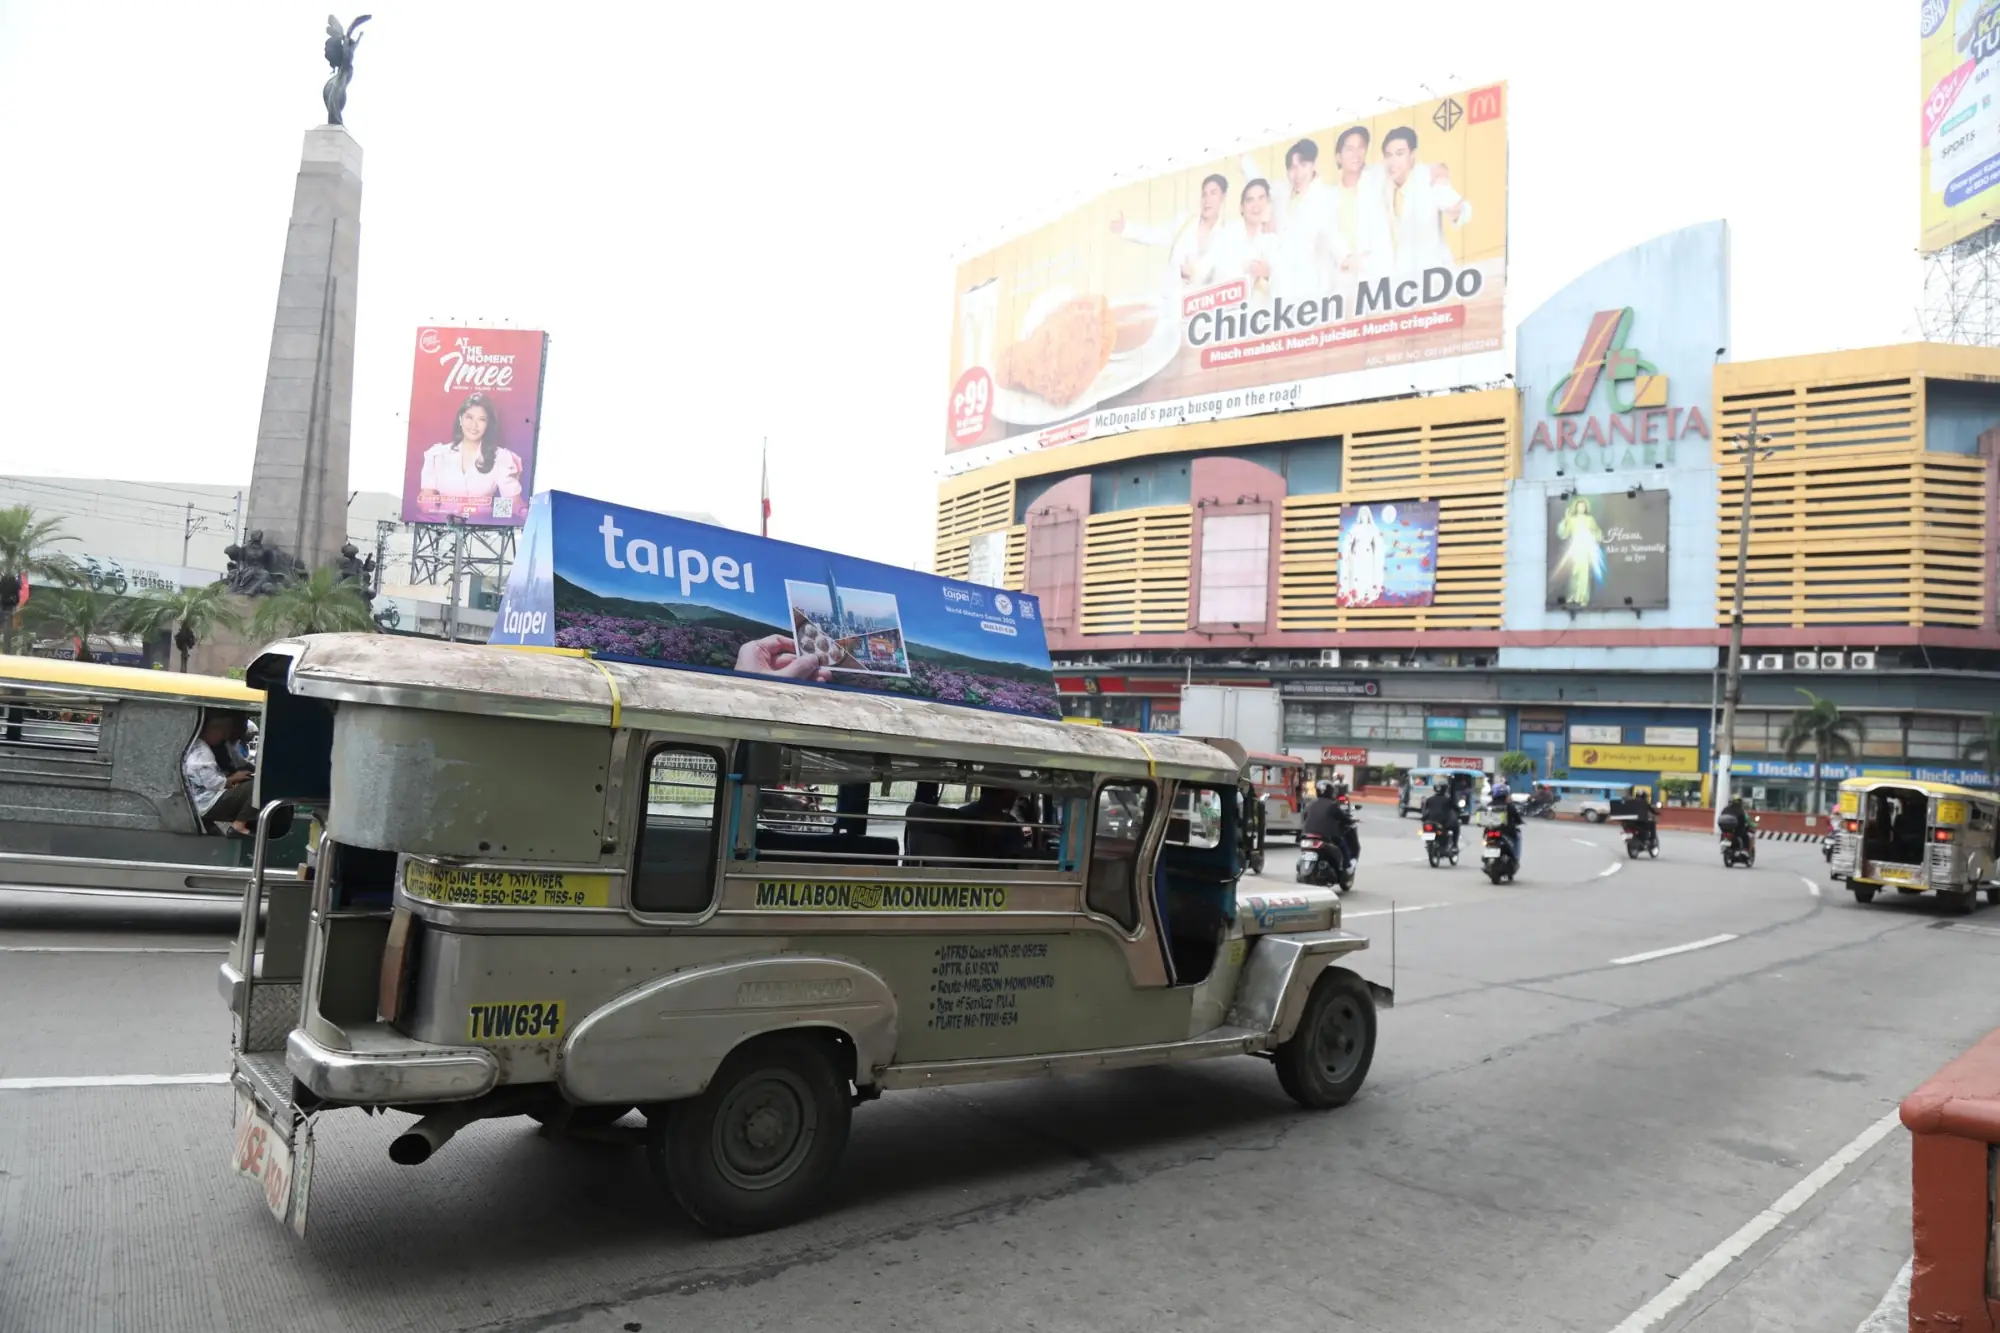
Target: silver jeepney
564 888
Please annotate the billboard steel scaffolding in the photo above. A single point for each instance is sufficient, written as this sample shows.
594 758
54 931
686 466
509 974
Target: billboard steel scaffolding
1961 302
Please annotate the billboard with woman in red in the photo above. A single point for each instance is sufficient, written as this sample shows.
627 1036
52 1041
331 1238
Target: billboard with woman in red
475 414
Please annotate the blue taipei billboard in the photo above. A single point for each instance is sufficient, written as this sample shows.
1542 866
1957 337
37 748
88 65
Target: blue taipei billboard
633 586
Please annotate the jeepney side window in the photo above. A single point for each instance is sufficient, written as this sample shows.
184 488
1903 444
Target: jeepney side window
1124 810
677 838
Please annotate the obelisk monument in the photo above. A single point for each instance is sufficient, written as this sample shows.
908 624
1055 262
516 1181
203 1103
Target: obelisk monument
298 484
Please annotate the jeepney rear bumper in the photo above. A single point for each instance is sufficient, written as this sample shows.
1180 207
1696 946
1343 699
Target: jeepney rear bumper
382 1067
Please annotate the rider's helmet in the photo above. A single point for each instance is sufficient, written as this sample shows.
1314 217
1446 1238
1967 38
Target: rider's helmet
1500 792
1324 789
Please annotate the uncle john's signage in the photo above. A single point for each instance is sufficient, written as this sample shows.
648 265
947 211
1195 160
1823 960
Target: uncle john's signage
1633 423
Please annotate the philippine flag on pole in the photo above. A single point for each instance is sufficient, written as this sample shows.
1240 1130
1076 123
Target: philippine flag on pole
766 490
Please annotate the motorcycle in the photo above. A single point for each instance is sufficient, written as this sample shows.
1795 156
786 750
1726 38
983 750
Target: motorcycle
1645 840
1738 850
1496 858
1537 807
1323 864
1826 846
1440 845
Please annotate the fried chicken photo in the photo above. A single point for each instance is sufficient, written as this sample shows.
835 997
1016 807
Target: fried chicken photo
1064 354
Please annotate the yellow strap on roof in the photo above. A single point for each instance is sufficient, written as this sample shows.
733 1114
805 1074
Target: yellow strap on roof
1152 767
617 705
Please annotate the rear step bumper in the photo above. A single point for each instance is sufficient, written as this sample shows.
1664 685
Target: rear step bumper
387 1068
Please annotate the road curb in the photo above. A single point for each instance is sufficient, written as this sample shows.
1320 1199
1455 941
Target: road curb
1893 1314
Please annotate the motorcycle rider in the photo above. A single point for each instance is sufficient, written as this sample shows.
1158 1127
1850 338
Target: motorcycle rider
1742 837
1441 812
1329 819
1645 817
1502 798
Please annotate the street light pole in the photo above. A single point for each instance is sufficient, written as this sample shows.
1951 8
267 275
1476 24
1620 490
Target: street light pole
1732 689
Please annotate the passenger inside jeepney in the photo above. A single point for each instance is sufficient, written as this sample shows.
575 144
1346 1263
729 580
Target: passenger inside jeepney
1896 827
220 791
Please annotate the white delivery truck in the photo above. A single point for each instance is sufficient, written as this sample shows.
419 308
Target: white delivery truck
1254 719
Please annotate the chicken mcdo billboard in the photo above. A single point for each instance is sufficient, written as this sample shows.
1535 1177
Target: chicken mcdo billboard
1351 261
475 415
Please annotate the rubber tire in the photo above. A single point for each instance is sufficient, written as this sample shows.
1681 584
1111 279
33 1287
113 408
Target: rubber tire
584 1117
1961 903
1300 1073
1728 859
1993 897
1430 850
1864 893
1631 850
679 1141
1593 817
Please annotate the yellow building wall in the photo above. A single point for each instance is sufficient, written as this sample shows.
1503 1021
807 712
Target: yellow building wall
1853 521
1460 450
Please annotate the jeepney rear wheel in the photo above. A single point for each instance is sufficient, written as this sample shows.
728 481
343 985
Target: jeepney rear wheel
757 1148
1326 1060
1962 902
1993 897
1864 893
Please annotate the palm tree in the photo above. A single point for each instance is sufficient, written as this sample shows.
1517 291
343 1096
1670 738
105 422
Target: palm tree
24 551
1985 748
77 613
322 603
1820 725
192 614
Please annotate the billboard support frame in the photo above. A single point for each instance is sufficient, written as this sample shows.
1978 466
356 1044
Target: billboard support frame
1961 302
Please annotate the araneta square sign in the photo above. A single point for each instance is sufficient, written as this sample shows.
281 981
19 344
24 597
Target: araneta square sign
1615 407
1616 371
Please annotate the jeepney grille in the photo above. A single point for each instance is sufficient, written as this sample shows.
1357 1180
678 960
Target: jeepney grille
274 1012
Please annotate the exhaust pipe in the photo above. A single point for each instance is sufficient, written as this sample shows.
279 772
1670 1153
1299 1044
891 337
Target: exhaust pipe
414 1146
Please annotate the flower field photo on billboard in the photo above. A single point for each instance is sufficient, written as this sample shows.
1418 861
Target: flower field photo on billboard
641 587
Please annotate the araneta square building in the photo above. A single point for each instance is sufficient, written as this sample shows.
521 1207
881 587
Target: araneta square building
1543 563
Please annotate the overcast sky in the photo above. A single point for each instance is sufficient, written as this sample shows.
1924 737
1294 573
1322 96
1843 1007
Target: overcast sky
740 221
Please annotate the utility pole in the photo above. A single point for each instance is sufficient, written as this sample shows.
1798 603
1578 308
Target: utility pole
187 532
1732 688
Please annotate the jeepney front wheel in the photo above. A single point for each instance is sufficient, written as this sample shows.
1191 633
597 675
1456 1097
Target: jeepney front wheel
1864 893
1326 1060
757 1148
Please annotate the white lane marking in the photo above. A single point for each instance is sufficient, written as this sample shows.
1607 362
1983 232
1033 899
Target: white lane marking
1399 911
1811 887
1584 842
1704 1270
1678 948
109 1081
1611 870
102 948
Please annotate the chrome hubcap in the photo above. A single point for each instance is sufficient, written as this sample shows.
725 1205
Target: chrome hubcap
764 1130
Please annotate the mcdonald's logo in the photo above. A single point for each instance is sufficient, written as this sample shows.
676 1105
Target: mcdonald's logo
1485 104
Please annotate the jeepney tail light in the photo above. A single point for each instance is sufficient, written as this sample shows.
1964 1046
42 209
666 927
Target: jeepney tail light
399 956
1854 826
1942 835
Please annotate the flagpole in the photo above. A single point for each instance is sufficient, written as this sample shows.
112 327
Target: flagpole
764 497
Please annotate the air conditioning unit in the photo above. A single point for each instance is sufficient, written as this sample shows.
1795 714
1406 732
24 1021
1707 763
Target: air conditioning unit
1770 661
1861 661
1330 657
1264 665
1832 661
1805 661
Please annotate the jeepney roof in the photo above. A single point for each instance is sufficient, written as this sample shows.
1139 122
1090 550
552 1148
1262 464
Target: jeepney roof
1865 784
99 678
570 686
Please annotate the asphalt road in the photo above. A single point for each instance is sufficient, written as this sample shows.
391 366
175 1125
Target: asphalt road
1562 1122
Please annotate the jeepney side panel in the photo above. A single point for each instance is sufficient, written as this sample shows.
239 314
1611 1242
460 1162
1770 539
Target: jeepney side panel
954 991
129 784
462 785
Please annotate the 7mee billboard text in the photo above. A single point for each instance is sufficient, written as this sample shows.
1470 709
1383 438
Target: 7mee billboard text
1350 261
475 420
1960 152
642 587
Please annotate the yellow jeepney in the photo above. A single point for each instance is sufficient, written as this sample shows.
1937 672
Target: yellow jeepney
1917 837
